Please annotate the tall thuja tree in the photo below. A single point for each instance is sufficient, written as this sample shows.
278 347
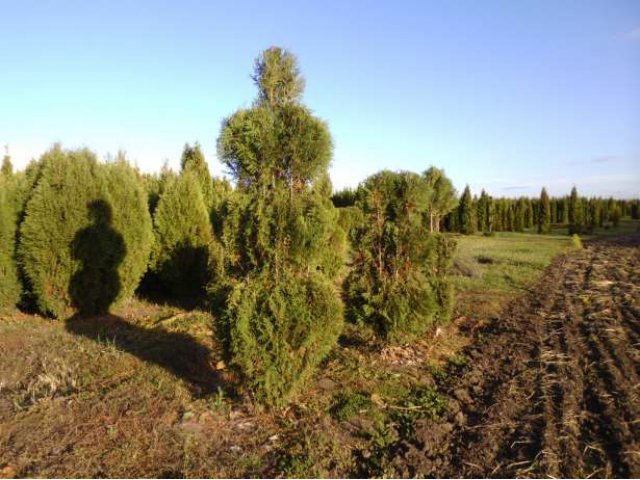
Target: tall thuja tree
156 184
443 200
193 160
520 214
484 212
544 212
466 222
398 280
282 313
553 210
574 212
10 286
131 219
7 167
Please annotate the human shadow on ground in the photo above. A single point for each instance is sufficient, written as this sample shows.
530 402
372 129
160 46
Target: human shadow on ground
177 352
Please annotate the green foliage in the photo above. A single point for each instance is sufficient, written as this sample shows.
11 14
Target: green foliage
484 212
466 221
60 237
443 253
344 198
349 404
280 235
193 161
10 287
398 281
422 402
264 148
349 218
131 219
575 212
277 76
55 213
443 198
279 329
544 215
7 167
576 242
184 238
156 184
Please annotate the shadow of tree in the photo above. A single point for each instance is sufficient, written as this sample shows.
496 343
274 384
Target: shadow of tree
176 352
100 250
181 280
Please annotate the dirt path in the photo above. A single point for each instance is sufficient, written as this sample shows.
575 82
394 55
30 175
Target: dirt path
553 387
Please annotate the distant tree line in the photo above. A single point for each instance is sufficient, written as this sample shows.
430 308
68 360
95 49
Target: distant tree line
581 215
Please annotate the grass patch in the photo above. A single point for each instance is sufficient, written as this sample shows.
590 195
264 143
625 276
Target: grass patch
489 270
350 404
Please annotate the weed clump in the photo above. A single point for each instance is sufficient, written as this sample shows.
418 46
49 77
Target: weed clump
348 405
576 242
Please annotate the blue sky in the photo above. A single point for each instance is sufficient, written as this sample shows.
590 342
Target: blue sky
505 95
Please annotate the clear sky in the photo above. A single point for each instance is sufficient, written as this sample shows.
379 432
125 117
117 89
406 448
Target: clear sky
506 95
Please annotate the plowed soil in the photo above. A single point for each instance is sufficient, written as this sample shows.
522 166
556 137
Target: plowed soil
552 387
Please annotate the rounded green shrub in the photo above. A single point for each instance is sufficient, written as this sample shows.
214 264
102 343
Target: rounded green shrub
398 282
85 238
280 329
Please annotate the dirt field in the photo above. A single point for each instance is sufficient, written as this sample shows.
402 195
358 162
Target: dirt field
552 387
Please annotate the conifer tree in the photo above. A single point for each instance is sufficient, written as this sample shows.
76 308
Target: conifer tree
193 161
484 212
7 167
10 287
520 207
156 184
398 281
282 313
466 221
183 239
544 213
575 212
76 201
443 198
131 219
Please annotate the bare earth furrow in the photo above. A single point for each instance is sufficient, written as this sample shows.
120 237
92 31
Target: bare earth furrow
555 386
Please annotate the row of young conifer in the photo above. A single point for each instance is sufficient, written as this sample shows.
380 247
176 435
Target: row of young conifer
486 214
267 255
579 214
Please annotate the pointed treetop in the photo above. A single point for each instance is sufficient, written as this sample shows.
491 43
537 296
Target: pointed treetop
7 167
278 77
